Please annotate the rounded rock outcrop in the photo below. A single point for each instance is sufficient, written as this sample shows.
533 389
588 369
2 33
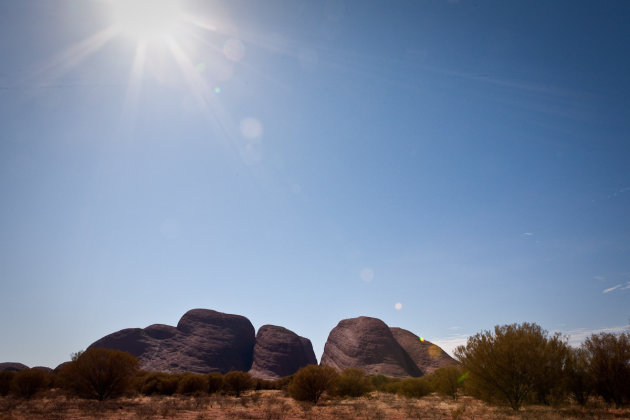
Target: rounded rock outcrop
367 343
280 352
12 366
203 341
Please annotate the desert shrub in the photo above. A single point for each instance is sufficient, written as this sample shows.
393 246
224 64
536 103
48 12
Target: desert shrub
447 381
415 387
609 366
237 382
578 382
159 383
215 382
281 383
352 382
6 377
191 383
386 384
28 382
379 381
100 373
310 382
513 363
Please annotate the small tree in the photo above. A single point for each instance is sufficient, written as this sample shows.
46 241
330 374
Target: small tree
28 382
549 373
352 382
578 382
310 382
100 373
237 382
609 365
510 364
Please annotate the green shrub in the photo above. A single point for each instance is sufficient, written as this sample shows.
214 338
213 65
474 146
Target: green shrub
191 383
237 382
281 383
447 381
384 383
415 387
160 384
352 382
310 382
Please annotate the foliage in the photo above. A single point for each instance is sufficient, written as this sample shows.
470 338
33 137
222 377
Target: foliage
159 383
100 373
6 377
447 381
215 382
352 382
609 365
310 382
415 387
192 383
512 363
578 382
549 373
237 382
28 382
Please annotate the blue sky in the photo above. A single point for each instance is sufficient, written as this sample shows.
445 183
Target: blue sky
302 162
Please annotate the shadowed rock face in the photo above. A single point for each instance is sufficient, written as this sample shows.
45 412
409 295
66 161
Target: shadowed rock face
279 352
426 355
367 343
13 366
203 341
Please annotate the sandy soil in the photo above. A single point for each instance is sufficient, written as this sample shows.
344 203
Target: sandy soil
274 405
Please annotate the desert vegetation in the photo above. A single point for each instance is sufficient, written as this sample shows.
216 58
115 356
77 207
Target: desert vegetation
516 370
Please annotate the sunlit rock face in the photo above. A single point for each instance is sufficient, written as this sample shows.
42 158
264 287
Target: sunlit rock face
203 341
369 344
426 355
279 352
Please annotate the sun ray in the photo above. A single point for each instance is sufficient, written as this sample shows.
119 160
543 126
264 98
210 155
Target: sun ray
136 74
216 114
198 86
74 55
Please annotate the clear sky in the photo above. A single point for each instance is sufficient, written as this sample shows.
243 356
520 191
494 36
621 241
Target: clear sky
301 162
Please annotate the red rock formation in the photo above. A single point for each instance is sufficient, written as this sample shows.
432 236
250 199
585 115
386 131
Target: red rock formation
203 341
279 352
367 343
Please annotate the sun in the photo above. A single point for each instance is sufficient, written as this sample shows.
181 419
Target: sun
146 20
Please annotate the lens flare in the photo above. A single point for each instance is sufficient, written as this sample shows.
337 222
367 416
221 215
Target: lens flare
434 351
